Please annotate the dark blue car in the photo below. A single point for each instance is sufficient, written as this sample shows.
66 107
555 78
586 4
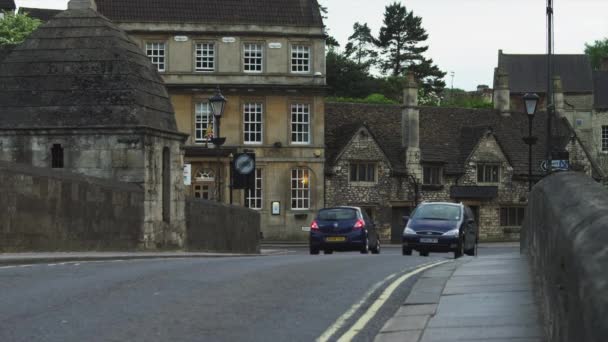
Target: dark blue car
440 227
343 229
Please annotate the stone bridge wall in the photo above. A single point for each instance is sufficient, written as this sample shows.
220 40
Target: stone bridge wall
566 237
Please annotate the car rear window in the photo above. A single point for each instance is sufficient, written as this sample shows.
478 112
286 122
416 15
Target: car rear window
337 214
437 212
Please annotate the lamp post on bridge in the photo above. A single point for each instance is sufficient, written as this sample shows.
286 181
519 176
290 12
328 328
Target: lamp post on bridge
530 104
218 104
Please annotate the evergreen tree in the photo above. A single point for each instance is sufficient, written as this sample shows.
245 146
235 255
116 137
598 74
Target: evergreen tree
14 28
400 39
596 52
361 46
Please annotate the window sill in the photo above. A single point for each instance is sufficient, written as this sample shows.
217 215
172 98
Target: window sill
432 187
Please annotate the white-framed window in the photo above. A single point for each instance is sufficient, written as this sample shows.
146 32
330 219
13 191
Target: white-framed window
300 189
202 191
300 123
363 172
204 56
203 122
604 138
253 116
156 52
487 173
300 59
253 57
254 198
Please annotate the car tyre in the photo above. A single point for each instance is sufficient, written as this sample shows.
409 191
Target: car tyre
328 251
365 248
424 253
406 251
314 251
376 249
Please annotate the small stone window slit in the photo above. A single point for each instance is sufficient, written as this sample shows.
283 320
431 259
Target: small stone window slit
57 156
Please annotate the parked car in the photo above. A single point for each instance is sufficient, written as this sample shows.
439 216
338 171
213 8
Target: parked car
440 227
343 229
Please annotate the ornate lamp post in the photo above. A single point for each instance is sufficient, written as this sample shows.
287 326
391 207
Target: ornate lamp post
530 103
218 104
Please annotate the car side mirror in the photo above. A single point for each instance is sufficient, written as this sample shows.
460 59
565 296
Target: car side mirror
405 220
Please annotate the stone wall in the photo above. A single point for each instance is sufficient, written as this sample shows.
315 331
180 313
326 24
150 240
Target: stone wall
217 227
566 237
50 210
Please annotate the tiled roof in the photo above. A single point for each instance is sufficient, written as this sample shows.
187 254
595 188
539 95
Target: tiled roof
447 135
80 70
7 5
261 12
528 73
5 50
600 89
43 14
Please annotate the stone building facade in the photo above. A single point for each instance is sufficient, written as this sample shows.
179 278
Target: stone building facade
269 62
416 154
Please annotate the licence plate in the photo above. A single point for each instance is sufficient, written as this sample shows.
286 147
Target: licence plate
426 240
335 239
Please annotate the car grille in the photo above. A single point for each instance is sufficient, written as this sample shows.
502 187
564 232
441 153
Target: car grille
429 233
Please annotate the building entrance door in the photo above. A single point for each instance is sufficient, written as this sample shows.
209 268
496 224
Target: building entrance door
397 222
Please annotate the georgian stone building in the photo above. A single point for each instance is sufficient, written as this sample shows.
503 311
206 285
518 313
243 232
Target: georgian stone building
268 58
79 95
387 158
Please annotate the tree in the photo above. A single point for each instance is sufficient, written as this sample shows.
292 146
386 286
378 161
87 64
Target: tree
596 52
347 78
400 40
14 28
361 45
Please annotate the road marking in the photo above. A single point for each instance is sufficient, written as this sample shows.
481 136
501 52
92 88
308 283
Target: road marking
377 305
341 321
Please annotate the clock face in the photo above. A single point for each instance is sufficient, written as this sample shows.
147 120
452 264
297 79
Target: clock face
244 164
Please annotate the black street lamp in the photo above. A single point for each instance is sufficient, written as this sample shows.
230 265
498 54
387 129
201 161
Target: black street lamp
218 104
530 103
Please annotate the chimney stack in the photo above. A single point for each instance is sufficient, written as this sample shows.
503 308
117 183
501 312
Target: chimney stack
558 96
410 127
502 93
82 5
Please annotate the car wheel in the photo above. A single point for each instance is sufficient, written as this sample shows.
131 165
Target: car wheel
376 249
365 248
328 251
424 253
459 249
406 251
314 251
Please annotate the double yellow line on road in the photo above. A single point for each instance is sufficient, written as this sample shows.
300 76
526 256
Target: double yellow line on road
373 309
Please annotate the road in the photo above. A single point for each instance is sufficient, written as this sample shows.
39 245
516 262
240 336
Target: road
288 297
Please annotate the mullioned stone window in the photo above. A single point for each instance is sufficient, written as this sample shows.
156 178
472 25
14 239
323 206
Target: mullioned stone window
488 173
431 175
363 172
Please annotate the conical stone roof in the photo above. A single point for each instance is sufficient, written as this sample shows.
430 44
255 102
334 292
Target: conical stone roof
80 70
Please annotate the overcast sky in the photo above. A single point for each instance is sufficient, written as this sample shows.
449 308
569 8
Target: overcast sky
465 35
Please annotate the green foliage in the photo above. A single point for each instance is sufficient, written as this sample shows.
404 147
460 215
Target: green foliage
596 52
14 28
347 78
361 46
459 98
371 99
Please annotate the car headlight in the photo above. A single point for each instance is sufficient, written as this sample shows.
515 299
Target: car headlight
453 232
408 231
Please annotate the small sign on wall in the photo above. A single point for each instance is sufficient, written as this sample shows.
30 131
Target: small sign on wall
275 45
180 38
188 174
228 39
276 208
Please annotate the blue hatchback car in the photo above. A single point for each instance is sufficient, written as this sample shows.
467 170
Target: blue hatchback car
440 227
343 229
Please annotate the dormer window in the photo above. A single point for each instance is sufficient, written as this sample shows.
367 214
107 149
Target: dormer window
487 173
431 175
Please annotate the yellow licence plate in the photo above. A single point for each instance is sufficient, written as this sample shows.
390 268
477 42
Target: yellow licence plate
335 239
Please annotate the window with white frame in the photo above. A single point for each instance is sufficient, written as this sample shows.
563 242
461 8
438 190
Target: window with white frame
300 189
300 123
205 56
487 173
253 57
254 196
604 138
203 122
156 52
253 114
300 58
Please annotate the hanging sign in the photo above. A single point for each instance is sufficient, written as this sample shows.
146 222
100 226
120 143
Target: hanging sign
188 174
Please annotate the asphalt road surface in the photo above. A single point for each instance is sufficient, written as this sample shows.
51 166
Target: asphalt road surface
288 297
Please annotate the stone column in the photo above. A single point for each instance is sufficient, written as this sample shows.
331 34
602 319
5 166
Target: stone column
411 133
502 93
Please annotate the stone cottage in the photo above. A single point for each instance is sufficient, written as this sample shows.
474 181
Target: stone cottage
79 95
388 158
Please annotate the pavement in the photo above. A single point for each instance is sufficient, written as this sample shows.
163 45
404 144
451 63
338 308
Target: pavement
487 298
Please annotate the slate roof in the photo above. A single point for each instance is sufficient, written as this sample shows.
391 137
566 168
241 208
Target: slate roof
5 50
261 12
528 73
447 135
44 14
600 89
80 70
7 5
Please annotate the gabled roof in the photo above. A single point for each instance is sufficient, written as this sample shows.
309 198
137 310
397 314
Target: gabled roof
7 5
43 14
260 12
528 73
600 89
80 70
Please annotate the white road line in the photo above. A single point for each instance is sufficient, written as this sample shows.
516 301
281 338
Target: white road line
4 267
341 321
375 307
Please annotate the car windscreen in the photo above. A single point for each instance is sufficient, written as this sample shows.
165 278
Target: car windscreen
337 214
437 212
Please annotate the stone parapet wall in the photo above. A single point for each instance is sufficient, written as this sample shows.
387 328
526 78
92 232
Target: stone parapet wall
48 210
